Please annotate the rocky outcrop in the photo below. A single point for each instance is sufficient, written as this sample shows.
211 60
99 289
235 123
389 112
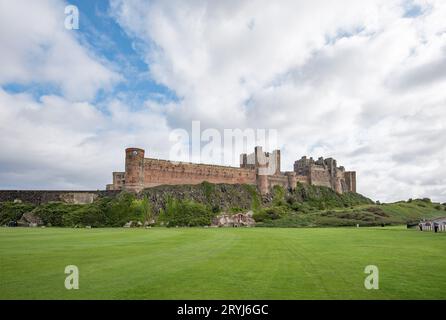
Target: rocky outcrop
219 196
30 219
234 220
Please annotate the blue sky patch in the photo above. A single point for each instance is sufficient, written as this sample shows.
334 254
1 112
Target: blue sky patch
412 10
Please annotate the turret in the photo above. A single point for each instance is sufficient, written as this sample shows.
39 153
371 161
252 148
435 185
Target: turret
292 180
134 169
276 159
261 165
243 160
350 180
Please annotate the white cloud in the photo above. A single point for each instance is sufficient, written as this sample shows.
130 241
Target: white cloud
37 49
361 81
357 80
54 143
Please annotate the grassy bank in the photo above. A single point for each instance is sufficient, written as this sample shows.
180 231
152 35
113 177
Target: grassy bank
197 205
312 206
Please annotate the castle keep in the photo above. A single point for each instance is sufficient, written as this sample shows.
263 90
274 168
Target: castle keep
258 168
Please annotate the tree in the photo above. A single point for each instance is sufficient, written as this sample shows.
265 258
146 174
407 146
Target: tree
143 209
147 211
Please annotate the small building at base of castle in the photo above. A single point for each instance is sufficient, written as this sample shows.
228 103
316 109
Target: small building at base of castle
435 225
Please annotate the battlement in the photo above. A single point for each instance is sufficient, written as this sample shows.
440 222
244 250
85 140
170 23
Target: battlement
258 168
325 172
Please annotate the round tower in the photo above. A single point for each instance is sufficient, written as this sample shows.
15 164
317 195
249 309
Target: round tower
262 182
134 169
292 180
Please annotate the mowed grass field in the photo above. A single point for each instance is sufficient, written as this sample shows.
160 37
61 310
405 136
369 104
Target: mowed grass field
199 263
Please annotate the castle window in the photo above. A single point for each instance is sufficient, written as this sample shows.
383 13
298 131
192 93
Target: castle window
135 153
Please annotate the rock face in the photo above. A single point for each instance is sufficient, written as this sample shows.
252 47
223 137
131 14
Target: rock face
29 219
234 220
222 196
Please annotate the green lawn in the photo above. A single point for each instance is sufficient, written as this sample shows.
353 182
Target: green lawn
193 263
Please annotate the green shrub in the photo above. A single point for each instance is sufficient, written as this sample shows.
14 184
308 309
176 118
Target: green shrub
121 210
260 216
104 212
271 213
186 213
377 211
256 203
142 209
208 190
322 198
57 213
300 207
279 196
161 219
86 215
10 211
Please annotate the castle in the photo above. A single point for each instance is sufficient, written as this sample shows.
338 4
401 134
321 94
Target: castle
258 168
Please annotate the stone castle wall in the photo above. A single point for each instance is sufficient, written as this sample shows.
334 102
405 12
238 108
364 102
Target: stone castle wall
320 177
158 172
350 180
144 172
44 196
259 168
325 172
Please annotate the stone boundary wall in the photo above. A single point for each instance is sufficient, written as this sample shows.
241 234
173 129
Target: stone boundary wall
45 196
164 172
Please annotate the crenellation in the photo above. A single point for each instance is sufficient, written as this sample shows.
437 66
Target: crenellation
325 172
258 168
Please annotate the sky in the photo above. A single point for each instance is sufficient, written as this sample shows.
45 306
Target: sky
363 82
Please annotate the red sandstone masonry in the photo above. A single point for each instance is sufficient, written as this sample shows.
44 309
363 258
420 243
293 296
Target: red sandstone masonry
259 168
319 177
158 172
